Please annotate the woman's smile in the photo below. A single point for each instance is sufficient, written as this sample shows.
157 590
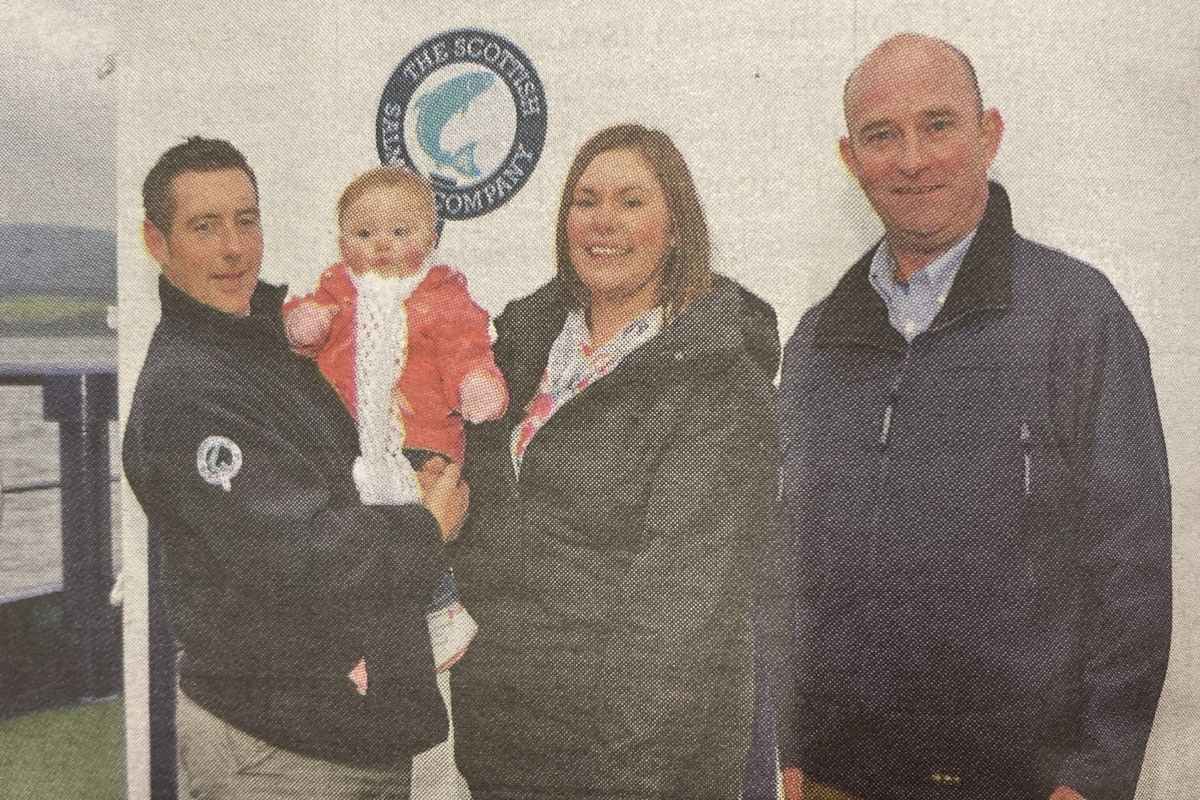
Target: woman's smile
619 229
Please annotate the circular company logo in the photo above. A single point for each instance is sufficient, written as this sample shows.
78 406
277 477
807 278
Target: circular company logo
466 109
219 460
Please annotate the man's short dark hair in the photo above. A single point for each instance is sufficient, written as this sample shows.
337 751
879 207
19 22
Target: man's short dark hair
195 154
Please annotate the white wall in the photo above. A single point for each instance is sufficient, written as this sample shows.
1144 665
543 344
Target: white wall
1098 156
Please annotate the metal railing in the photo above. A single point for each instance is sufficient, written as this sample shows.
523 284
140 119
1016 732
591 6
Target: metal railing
83 401
37 486
21 488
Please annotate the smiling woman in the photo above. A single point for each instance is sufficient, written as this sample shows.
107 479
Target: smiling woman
619 232
618 509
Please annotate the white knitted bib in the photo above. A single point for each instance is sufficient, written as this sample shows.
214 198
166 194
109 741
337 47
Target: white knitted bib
380 351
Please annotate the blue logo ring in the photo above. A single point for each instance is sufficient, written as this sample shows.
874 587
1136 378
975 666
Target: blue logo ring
498 56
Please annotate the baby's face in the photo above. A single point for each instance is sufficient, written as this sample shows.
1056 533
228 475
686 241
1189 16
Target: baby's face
388 231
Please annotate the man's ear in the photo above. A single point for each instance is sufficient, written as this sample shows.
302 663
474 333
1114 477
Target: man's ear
993 129
156 242
846 150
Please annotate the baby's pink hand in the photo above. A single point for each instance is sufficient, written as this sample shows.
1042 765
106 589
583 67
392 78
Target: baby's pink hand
481 397
307 325
358 676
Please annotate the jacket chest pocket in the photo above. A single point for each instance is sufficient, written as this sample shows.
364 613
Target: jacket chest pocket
974 500
1047 505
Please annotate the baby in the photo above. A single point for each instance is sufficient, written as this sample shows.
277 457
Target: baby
409 352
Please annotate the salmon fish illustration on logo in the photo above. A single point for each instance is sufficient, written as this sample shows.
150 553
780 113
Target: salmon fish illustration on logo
436 108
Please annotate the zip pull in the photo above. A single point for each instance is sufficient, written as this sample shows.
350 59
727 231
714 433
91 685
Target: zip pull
1026 444
886 428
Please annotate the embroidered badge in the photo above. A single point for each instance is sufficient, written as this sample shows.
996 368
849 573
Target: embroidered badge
218 461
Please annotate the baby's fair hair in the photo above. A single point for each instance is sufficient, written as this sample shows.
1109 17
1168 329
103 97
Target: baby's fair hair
386 177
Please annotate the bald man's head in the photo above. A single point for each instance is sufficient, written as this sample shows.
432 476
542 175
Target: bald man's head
901 46
919 143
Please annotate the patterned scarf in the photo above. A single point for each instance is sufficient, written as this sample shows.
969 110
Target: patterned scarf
574 365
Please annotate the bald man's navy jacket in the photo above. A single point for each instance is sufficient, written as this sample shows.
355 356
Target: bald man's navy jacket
981 533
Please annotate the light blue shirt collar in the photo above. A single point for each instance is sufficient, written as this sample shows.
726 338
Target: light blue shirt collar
913 304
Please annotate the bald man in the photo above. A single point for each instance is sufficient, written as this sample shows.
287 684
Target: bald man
976 483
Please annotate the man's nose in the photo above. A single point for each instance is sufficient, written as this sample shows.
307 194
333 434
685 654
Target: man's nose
914 155
233 244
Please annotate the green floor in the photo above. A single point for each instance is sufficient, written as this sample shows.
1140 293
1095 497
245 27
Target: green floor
69 753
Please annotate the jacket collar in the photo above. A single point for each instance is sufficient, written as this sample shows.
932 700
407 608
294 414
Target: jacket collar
530 326
702 338
854 313
263 320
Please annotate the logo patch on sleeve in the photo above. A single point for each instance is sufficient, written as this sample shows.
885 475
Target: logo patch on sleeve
218 461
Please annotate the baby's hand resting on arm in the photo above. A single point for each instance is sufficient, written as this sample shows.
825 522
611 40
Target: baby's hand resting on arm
445 495
307 324
481 397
